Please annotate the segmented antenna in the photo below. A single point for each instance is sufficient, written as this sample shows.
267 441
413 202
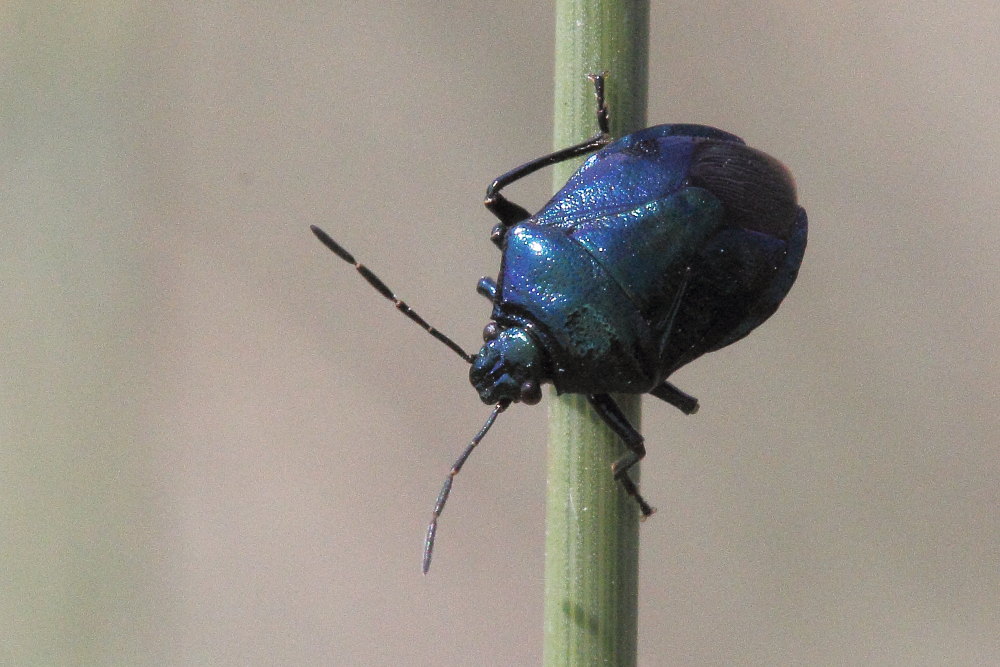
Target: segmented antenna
384 290
446 489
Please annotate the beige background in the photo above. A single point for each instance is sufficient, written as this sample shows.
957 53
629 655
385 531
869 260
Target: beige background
220 448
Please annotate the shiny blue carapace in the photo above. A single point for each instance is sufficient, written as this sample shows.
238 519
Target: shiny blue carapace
666 244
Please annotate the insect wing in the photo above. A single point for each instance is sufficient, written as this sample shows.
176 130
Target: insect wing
639 168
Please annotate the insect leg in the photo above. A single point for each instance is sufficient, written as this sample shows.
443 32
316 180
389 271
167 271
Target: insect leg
510 213
683 401
613 416
488 288
619 423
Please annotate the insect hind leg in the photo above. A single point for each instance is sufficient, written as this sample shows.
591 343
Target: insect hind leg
681 400
612 415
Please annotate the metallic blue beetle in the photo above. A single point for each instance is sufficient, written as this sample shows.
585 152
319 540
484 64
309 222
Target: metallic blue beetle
668 243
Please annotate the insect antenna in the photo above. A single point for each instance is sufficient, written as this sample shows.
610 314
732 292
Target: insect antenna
446 489
384 290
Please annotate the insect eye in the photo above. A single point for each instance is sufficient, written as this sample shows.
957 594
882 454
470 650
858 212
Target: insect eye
531 393
491 331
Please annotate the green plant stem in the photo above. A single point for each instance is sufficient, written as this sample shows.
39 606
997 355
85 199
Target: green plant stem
592 534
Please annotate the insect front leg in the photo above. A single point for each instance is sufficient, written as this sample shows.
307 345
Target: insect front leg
613 416
510 213
488 288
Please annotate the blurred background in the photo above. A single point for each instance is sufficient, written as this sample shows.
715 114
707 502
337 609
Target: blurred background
220 447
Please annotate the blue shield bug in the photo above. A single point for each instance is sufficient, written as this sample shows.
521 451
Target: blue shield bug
667 243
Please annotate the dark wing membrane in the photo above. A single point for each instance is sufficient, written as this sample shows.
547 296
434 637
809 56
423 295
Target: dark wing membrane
757 190
785 271
738 280
639 168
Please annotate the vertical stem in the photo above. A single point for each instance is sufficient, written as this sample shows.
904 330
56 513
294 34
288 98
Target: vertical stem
591 547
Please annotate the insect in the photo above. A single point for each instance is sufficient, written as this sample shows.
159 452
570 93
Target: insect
667 243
